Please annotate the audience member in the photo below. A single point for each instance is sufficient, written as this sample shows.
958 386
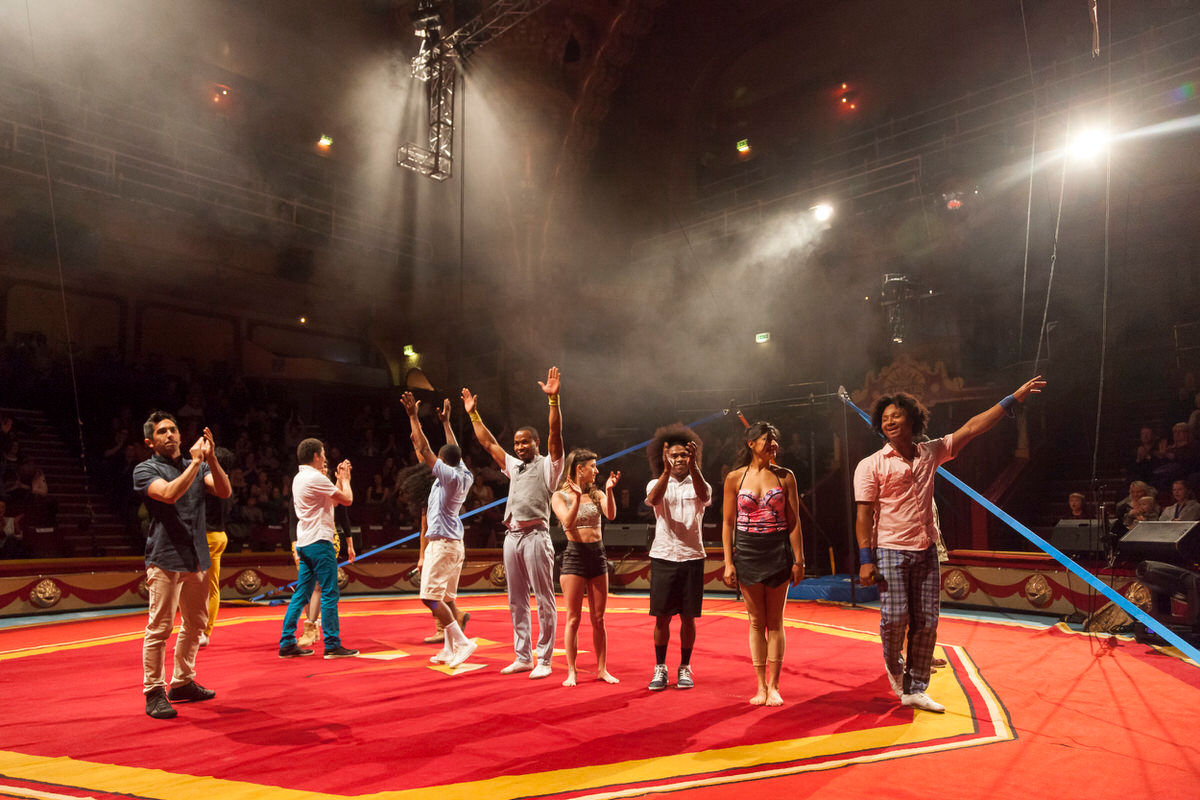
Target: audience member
1185 507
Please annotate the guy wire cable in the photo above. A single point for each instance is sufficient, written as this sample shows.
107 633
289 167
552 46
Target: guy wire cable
62 287
1032 167
1062 190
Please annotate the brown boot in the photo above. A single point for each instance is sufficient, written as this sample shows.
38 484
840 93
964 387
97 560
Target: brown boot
312 632
439 637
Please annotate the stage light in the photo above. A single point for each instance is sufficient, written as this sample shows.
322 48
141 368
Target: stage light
220 92
762 338
325 141
822 212
743 146
1089 143
303 320
409 351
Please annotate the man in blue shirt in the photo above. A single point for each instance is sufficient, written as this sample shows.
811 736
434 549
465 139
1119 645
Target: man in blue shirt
444 553
176 557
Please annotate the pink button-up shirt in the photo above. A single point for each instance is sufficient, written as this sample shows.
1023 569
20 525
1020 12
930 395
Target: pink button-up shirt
902 493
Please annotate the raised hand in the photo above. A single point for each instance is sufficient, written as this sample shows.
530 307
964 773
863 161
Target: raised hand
613 478
469 400
1033 386
552 383
410 403
343 470
210 446
666 462
444 412
574 487
196 451
693 455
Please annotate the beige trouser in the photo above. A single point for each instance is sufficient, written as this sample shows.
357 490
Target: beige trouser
217 541
188 592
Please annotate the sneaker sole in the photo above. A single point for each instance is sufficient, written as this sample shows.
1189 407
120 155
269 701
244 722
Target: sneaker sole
347 655
657 688
297 655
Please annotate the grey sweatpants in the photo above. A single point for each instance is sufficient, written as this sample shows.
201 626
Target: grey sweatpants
529 565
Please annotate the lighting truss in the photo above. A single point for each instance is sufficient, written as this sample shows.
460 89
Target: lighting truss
436 65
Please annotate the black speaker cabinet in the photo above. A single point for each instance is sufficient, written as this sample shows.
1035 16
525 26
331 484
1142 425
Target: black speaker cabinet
1173 542
1078 536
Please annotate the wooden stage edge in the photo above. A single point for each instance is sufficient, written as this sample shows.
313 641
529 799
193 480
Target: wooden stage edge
1020 582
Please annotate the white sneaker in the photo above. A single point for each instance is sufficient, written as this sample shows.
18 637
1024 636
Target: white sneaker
441 657
517 666
204 640
897 682
922 701
462 653
540 671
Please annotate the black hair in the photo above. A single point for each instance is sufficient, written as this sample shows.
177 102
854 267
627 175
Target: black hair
413 485
153 420
753 432
669 435
917 414
532 432
226 458
307 450
451 454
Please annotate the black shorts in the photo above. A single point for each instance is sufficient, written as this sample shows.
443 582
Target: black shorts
585 559
676 587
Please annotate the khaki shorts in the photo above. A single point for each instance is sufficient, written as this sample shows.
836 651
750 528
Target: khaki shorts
443 564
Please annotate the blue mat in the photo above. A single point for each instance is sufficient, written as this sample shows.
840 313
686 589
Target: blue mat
832 587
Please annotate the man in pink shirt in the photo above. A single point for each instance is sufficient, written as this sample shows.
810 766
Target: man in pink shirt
897 531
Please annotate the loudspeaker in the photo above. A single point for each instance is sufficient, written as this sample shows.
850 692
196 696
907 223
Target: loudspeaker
1078 536
1173 542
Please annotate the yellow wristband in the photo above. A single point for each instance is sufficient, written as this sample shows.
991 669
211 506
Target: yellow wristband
553 399
474 415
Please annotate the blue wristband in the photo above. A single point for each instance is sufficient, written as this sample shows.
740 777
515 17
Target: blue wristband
1007 404
866 555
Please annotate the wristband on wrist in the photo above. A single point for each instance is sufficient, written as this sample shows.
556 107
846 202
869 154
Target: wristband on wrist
553 399
1007 404
866 555
474 416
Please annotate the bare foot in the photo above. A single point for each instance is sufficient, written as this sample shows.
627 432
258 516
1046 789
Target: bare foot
774 698
570 681
760 698
603 675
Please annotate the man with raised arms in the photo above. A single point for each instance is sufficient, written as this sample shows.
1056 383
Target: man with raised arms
897 531
444 553
528 552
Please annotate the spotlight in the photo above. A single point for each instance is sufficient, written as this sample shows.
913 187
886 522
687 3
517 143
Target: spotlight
822 212
762 338
303 320
409 351
326 141
743 146
1089 143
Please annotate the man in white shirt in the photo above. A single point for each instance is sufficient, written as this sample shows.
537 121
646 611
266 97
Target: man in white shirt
1185 508
678 497
314 498
528 552
444 552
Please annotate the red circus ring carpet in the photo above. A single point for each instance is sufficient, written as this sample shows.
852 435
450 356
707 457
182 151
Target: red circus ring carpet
1029 710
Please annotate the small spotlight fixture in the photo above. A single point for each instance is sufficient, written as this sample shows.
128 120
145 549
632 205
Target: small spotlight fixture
220 93
762 337
822 212
409 351
743 146
303 320
325 142
1089 143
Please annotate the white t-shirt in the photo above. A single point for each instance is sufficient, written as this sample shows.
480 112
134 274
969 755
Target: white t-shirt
312 495
678 520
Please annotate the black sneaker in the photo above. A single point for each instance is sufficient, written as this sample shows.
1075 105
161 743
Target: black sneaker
190 693
340 652
659 681
294 650
158 706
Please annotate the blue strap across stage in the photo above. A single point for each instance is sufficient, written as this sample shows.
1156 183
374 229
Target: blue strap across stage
1087 577
481 509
